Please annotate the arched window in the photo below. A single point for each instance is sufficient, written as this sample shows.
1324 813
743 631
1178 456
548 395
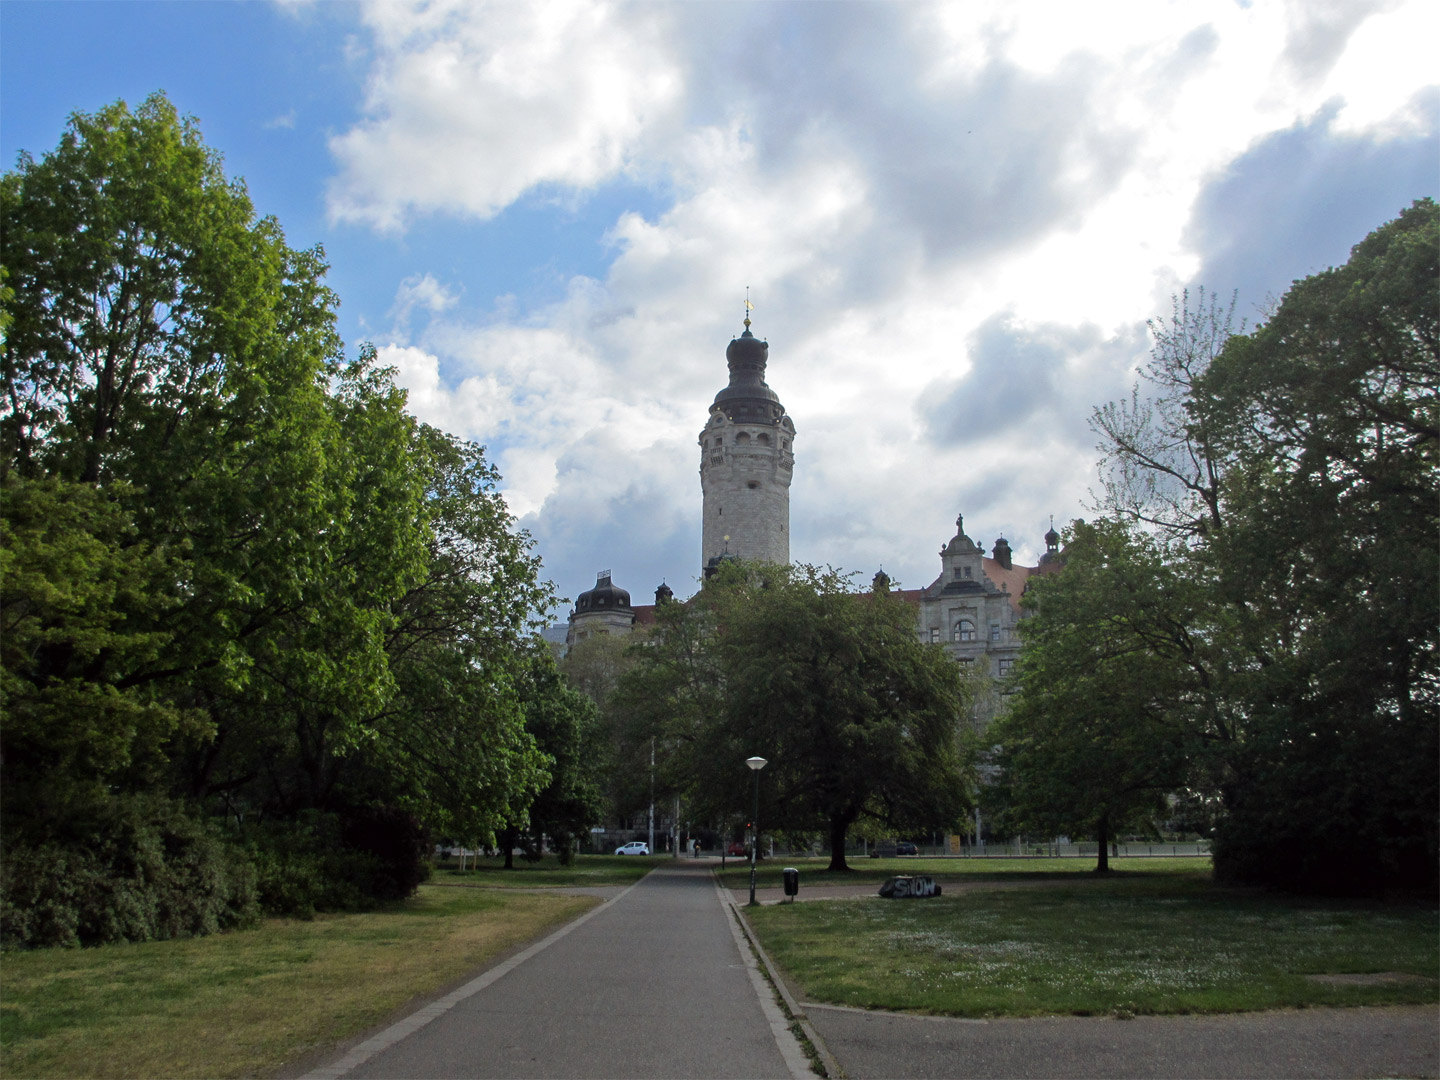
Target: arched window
964 630
742 439
763 439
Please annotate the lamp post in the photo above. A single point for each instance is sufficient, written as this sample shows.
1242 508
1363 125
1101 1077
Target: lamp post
756 764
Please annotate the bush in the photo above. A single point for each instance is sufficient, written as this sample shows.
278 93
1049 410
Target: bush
145 868
324 861
398 845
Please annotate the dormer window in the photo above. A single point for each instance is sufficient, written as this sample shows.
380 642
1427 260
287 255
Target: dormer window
967 571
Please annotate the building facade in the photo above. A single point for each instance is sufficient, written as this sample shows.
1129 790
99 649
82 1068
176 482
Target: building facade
747 461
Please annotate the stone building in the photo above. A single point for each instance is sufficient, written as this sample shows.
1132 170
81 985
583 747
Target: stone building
747 461
973 607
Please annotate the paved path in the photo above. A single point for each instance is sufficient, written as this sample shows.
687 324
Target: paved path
1320 1043
653 983
657 983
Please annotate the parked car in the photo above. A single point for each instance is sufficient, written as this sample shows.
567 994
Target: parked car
904 847
635 847
737 848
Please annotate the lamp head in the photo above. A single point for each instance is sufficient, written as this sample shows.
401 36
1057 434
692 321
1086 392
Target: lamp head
756 763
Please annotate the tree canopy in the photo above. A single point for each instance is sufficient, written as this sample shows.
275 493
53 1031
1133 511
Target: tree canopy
855 716
1115 704
237 574
1293 469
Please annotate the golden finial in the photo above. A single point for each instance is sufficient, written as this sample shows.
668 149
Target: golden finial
749 307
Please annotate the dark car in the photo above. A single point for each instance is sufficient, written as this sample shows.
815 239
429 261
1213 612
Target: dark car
904 847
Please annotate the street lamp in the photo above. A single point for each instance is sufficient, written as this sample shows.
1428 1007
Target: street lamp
756 764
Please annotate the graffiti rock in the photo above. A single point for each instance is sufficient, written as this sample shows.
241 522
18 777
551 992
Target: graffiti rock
906 885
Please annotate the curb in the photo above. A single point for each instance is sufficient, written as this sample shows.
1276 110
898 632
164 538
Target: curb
831 1066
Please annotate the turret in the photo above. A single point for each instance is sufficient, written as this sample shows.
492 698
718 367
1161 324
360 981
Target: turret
746 462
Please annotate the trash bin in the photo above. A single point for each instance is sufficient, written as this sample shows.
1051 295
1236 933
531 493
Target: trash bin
792 881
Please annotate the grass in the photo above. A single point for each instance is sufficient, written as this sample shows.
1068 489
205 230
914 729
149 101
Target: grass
246 1003
548 873
865 871
1143 943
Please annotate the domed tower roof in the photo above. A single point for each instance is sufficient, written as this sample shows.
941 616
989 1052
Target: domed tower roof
605 596
1052 545
748 400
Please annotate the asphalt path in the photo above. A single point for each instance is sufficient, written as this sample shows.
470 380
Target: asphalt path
1320 1043
656 982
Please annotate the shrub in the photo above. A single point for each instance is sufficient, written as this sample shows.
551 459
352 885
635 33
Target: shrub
141 868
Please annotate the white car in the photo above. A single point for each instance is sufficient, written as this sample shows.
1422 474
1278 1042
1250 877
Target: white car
635 847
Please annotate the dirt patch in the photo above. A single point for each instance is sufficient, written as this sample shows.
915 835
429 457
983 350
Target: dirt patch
1370 978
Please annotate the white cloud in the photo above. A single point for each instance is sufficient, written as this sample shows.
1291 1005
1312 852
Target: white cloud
470 106
954 220
423 292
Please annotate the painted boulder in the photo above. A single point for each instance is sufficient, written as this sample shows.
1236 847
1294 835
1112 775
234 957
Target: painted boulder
906 885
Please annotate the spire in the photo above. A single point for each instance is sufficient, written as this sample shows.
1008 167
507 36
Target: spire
749 307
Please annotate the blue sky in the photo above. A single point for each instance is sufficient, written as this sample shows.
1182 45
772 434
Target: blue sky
954 220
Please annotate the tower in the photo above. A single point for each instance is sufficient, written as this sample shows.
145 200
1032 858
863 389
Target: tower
746 463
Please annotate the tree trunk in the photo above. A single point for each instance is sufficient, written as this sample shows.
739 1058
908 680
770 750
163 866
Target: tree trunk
509 837
1102 865
838 828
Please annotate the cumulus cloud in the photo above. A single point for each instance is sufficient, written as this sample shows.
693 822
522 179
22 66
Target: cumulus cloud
1298 200
421 292
470 106
954 219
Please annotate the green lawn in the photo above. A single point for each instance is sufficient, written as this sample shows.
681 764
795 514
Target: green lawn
245 1003
736 875
548 873
1143 943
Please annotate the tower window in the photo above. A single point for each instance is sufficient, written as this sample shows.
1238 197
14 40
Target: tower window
964 630
752 484
742 439
763 439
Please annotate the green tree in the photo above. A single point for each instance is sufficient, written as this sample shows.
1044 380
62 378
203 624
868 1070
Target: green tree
565 726
1329 419
237 570
1301 482
1114 706
854 714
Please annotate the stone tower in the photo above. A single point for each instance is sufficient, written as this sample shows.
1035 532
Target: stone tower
746 460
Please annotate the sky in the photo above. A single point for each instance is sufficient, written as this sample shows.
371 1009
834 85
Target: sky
953 220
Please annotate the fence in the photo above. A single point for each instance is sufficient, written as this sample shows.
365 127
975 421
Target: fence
1024 849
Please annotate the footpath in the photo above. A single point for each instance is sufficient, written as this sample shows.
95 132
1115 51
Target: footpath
652 983
658 981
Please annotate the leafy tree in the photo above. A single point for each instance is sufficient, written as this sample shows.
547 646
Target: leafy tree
76 597
1114 703
855 715
236 571
564 724
1329 417
169 349
1304 454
